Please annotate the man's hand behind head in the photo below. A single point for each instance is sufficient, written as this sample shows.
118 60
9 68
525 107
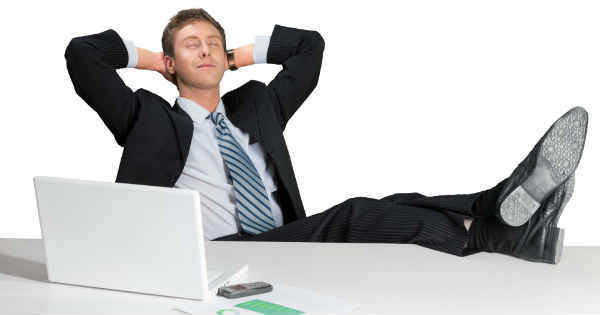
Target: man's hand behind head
155 61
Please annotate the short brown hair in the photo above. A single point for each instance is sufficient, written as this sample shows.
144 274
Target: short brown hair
181 19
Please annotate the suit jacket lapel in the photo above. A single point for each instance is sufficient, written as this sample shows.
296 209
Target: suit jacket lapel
184 129
242 116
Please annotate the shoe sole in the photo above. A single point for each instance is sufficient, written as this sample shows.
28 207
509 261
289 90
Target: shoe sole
558 249
557 159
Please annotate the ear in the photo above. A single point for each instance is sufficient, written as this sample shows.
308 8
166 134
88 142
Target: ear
170 63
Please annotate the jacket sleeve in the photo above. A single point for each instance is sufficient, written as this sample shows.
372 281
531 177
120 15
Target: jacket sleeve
300 52
92 61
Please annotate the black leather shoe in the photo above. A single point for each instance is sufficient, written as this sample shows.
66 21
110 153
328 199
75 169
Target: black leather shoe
547 243
567 193
540 240
551 161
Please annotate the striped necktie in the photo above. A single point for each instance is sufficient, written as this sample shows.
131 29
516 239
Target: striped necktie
250 194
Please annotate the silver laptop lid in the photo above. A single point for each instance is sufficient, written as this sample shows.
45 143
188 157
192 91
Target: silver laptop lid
123 236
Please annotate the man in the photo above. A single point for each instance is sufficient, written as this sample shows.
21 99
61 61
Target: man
231 149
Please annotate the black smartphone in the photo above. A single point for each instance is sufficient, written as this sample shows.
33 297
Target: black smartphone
244 289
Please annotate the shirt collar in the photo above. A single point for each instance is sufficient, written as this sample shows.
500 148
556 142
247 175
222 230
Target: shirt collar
197 112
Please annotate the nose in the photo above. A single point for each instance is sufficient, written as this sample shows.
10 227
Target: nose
204 51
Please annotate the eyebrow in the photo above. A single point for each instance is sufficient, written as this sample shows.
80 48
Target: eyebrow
194 36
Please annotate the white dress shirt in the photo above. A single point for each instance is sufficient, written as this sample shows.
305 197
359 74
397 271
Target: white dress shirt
205 170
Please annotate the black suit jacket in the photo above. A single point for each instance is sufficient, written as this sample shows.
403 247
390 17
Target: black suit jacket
156 136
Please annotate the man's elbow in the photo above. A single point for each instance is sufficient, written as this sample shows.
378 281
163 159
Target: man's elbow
76 50
319 41
71 50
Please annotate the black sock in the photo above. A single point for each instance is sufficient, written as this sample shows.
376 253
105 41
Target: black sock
485 205
491 235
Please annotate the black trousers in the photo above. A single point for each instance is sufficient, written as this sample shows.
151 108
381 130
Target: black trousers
435 222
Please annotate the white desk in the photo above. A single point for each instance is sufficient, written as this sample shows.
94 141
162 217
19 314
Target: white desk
383 278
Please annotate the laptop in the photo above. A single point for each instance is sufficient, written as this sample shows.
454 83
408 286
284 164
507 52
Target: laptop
128 237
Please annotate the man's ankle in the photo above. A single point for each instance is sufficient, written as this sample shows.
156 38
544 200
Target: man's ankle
473 233
468 223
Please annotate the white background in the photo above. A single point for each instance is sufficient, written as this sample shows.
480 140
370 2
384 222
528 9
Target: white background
436 97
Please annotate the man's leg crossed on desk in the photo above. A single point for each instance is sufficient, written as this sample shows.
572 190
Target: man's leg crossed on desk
517 217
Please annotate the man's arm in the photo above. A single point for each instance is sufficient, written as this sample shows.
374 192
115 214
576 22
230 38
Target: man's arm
253 53
300 52
92 61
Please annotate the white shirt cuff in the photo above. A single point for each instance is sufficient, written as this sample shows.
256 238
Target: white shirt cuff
261 45
132 53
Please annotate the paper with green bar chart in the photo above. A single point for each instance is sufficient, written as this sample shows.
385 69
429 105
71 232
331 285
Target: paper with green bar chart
283 300
267 308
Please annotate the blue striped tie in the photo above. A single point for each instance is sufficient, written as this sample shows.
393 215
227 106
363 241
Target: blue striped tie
250 194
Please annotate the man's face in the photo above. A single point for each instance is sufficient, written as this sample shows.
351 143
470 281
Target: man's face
195 44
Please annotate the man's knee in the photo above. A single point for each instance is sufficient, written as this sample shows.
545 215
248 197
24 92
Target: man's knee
354 201
359 206
403 197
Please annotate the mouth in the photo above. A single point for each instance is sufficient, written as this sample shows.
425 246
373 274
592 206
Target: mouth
205 66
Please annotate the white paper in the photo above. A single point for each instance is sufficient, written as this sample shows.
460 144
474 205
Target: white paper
291 297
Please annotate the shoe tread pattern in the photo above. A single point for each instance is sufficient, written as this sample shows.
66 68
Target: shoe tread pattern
557 159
